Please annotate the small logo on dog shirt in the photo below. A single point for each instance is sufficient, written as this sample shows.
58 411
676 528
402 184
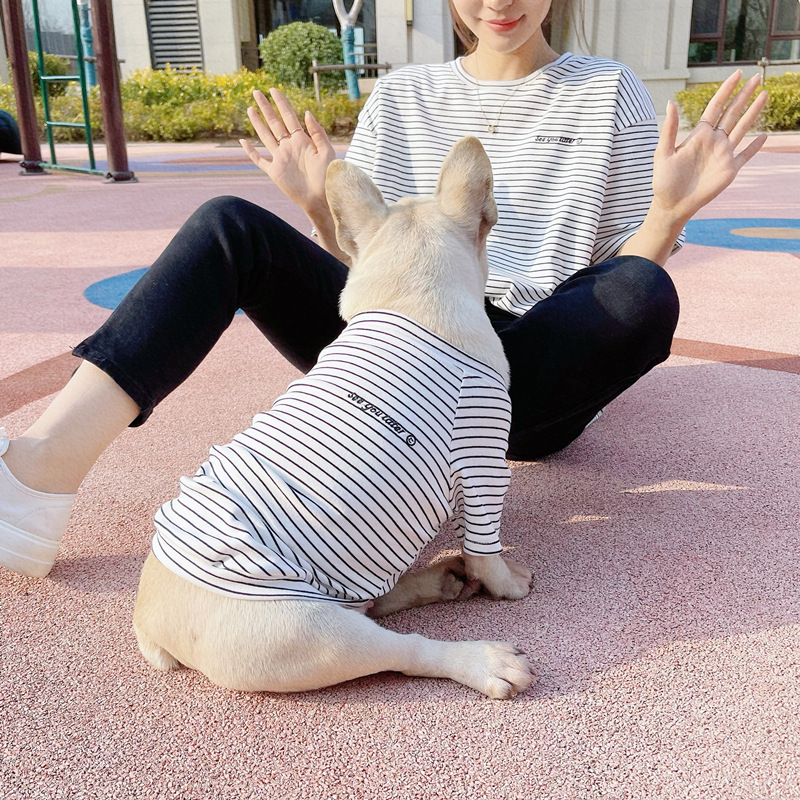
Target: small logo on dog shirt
389 422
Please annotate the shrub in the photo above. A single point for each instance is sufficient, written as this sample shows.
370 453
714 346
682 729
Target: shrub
782 112
53 65
177 106
783 109
69 108
7 102
168 105
287 53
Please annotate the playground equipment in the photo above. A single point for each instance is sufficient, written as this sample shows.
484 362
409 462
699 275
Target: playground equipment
9 134
107 67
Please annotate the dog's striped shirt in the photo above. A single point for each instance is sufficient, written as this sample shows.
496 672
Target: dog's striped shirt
572 158
332 493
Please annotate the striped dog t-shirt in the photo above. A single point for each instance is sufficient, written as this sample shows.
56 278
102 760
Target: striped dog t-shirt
333 492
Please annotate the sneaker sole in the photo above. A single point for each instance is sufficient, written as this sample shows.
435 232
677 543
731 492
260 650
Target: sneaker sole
26 553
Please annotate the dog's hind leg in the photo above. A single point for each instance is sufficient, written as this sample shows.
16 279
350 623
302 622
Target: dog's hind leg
439 583
297 645
154 654
149 614
344 645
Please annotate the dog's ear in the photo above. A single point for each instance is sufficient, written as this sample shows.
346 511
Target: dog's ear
464 190
355 202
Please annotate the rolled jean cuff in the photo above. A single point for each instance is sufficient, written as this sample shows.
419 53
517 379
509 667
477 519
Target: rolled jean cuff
132 388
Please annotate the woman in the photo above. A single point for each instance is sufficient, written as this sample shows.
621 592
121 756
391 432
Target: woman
591 205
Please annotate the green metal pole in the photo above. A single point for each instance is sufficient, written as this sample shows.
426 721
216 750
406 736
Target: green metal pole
43 87
88 42
87 124
348 51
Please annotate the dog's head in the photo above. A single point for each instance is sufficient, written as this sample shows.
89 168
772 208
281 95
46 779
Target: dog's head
404 250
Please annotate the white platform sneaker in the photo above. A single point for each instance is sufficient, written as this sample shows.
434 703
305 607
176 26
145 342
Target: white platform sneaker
31 523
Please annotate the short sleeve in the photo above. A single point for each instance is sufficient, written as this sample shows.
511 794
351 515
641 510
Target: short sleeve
361 150
480 476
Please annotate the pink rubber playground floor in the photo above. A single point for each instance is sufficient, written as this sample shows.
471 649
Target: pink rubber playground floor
664 624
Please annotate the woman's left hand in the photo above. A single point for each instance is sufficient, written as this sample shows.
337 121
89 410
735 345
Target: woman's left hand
296 161
689 175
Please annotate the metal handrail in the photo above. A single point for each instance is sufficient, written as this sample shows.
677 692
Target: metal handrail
781 62
315 69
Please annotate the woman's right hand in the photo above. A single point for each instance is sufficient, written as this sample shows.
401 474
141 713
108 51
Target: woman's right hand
298 161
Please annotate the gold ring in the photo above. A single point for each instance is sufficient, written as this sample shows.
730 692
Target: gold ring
283 136
713 126
295 131
720 128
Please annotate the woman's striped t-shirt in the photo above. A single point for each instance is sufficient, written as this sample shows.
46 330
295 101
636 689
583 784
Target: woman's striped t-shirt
572 158
332 493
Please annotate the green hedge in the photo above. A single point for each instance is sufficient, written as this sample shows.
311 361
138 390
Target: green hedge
781 114
168 105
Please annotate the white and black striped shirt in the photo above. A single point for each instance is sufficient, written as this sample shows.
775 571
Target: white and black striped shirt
332 493
572 157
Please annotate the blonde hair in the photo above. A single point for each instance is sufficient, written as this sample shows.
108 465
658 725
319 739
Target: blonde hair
572 8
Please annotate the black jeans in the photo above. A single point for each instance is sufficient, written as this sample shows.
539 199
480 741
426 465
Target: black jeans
570 355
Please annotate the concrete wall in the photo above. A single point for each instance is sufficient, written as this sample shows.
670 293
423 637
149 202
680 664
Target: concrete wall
130 27
649 36
219 32
428 40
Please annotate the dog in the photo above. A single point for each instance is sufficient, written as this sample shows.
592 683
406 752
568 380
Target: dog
260 568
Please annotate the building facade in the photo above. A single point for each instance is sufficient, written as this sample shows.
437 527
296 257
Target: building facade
669 43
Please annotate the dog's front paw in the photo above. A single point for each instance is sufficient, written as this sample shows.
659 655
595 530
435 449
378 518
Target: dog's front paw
498 669
516 584
502 578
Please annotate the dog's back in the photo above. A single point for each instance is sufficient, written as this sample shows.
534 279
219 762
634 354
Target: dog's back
333 492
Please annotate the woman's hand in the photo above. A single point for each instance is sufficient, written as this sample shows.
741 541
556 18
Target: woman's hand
297 161
689 175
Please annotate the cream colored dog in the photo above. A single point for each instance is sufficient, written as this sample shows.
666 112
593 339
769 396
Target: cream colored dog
292 645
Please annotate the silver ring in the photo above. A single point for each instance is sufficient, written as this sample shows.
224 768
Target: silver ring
282 136
720 128
713 126
295 131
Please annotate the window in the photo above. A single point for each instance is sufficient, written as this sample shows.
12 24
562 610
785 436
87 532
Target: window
744 31
282 12
321 12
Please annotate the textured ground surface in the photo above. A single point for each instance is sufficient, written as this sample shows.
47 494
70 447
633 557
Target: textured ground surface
664 624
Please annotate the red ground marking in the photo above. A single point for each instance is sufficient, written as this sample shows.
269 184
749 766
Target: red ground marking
40 380
781 148
742 356
49 376
214 160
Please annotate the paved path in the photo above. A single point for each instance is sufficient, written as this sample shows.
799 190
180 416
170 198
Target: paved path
664 624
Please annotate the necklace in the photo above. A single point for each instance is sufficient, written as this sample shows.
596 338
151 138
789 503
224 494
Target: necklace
491 127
